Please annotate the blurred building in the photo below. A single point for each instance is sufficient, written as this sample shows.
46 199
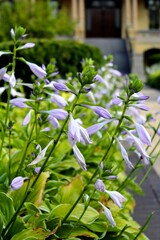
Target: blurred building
135 22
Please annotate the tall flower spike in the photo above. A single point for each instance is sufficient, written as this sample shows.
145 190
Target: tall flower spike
108 215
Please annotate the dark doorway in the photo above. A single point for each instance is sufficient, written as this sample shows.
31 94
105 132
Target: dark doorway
103 18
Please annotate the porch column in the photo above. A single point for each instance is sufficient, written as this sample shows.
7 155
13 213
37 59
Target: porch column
128 12
135 14
81 18
74 10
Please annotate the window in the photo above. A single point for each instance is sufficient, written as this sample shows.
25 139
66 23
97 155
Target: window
154 14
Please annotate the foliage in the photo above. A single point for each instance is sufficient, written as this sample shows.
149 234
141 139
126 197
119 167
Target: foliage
41 19
63 151
68 55
153 76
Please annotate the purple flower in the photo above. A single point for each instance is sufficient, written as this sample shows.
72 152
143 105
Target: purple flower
140 106
117 198
59 114
37 169
27 119
98 78
139 97
53 121
143 134
116 101
158 100
19 102
2 72
61 87
38 71
139 146
125 155
99 185
47 129
100 111
158 132
108 215
80 159
96 127
60 101
76 133
27 45
41 155
115 72
17 182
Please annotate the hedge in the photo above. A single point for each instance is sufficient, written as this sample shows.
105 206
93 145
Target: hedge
67 53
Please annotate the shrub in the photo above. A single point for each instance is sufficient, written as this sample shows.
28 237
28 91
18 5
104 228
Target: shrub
67 53
153 77
41 19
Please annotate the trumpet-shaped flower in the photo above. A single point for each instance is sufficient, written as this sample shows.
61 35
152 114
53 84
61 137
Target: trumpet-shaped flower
61 87
38 71
53 121
57 99
27 118
59 114
80 159
117 197
20 102
2 72
41 155
96 127
143 134
27 45
100 111
108 215
76 133
125 155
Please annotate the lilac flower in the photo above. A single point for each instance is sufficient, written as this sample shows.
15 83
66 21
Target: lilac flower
158 132
140 106
17 182
80 159
100 111
2 72
58 113
143 134
11 79
115 72
38 71
53 121
99 185
117 198
61 87
158 100
40 155
96 127
19 102
116 101
27 119
125 155
98 78
37 169
27 45
47 129
60 101
139 96
76 133
108 215
139 146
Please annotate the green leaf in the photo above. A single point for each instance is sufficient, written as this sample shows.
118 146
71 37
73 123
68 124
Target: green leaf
30 234
61 210
70 192
6 208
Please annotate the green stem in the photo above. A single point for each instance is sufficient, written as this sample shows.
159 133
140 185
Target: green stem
25 151
13 219
102 160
